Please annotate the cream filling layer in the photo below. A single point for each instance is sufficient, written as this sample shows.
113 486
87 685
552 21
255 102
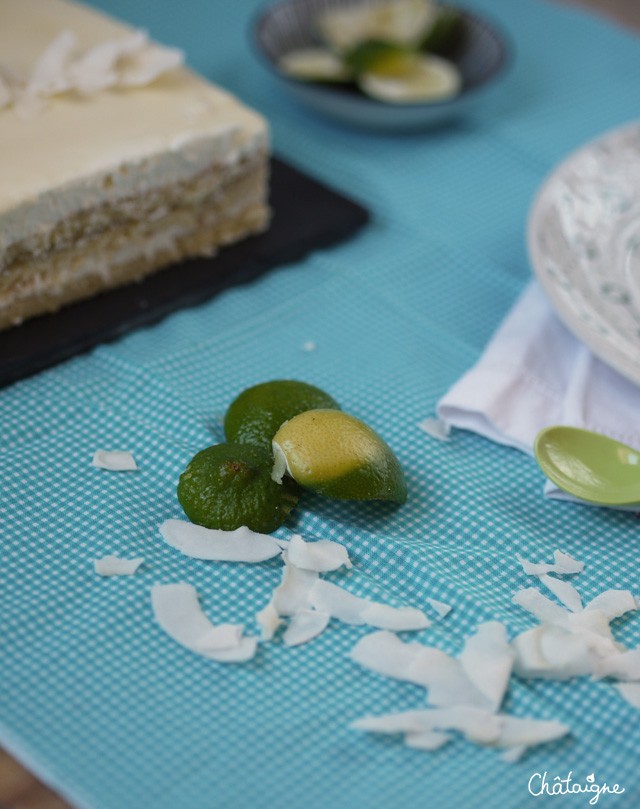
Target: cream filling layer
185 161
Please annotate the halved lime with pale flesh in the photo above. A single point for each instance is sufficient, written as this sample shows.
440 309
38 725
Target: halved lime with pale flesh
314 64
338 455
401 21
425 78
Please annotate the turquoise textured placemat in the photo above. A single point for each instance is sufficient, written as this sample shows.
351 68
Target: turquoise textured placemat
114 714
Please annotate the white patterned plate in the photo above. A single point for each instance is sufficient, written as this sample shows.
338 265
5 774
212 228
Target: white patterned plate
584 245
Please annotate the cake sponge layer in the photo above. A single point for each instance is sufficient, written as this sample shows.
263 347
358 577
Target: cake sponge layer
199 224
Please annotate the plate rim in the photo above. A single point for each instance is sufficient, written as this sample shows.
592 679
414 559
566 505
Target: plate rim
594 341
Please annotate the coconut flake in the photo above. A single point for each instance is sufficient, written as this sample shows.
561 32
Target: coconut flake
384 653
436 428
551 652
621 666
280 465
304 626
613 603
524 732
351 609
513 754
563 591
593 626
148 65
415 721
542 608
563 564
292 594
427 740
269 621
130 61
178 612
443 676
114 460
440 607
630 692
487 660
476 724
49 74
97 68
322 556
241 545
112 565
395 619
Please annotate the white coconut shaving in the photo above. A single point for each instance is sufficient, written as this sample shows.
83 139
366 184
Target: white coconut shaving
49 74
309 346
477 725
487 660
322 555
563 591
178 612
130 61
440 607
114 460
241 545
613 603
268 620
305 625
427 740
542 608
522 732
513 754
436 428
577 641
148 63
551 652
593 626
563 563
292 594
280 465
630 692
351 609
443 676
97 69
112 565
290 597
621 666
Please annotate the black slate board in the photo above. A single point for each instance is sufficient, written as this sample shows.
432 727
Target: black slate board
306 215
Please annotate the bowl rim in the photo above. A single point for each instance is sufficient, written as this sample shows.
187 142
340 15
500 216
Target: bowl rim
495 30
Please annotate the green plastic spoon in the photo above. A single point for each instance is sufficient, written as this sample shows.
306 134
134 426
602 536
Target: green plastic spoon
589 465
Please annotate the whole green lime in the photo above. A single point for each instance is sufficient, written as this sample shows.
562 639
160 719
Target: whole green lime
338 455
229 485
255 416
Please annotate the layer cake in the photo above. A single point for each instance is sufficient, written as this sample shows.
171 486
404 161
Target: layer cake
115 159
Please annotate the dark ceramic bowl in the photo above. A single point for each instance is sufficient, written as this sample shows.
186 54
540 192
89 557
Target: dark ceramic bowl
481 58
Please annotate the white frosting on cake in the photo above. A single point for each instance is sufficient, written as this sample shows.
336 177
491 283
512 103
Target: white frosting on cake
76 151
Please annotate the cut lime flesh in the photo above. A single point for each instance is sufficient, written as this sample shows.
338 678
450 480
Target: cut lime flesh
337 455
314 64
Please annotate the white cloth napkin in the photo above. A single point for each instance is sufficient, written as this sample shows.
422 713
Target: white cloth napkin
535 373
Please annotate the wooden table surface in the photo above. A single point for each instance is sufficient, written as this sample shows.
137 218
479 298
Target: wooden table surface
18 788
